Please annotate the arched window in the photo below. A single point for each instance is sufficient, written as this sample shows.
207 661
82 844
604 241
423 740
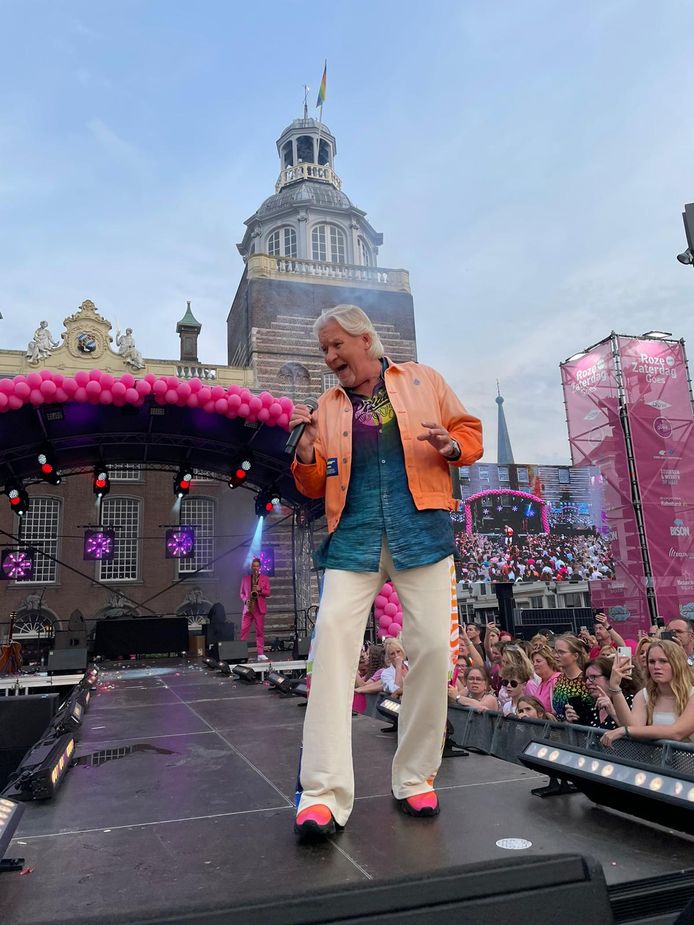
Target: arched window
199 513
123 514
293 378
40 528
287 155
282 243
305 150
328 244
365 258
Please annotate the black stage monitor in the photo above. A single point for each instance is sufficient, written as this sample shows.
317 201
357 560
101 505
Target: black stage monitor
67 661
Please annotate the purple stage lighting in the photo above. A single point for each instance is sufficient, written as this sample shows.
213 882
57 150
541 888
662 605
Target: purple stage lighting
99 545
267 560
17 565
180 543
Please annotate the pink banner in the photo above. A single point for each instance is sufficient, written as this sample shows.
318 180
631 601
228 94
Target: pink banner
662 434
591 396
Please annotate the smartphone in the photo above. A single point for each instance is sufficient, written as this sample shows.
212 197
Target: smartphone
582 628
624 652
667 634
582 709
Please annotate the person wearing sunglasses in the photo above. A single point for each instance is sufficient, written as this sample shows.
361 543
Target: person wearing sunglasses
513 680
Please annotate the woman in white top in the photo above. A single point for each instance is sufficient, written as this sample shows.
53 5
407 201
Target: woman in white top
394 673
664 709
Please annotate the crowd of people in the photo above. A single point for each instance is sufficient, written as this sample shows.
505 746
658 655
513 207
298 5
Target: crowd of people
588 679
535 557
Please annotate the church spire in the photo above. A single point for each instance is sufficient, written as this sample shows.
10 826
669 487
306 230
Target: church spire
504 452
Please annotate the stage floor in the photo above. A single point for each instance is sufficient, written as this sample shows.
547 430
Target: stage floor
197 805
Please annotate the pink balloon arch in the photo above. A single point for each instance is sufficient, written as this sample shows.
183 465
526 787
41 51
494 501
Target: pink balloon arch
388 611
99 388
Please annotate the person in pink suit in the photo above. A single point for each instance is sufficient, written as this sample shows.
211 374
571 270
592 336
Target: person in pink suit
255 589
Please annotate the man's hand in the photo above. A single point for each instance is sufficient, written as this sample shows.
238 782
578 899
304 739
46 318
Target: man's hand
438 437
302 414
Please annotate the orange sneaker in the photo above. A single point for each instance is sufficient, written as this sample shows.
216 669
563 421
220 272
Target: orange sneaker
421 805
314 822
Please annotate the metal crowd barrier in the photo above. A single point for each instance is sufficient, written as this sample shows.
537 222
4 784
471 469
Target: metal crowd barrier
506 738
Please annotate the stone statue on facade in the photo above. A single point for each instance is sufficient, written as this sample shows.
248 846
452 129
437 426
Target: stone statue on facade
41 345
127 349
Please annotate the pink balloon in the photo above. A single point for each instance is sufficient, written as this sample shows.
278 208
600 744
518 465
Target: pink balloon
243 410
384 622
95 375
35 397
195 385
263 414
81 377
234 401
208 407
221 406
266 399
47 374
283 421
106 397
69 386
132 397
171 396
390 609
118 390
204 395
255 404
128 380
217 392
6 387
143 387
275 409
381 601
4 401
394 629
151 378
93 389
286 404
183 389
245 395
60 394
48 388
22 390
192 401
159 387
172 382
106 380
80 394
15 402
34 380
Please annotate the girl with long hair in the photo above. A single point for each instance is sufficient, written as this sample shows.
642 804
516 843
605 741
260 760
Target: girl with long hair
570 691
664 708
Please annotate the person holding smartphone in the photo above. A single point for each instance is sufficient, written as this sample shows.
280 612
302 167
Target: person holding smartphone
664 708
570 689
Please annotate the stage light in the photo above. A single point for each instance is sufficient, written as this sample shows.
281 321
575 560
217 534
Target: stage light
279 682
576 356
181 482
267 560
686 257
99 545
19 499
211 663
180 542
17 565
102 484
42 769
390 709
69 717
658 335
266 502
10 814
240 469
244 673
48 470
649 792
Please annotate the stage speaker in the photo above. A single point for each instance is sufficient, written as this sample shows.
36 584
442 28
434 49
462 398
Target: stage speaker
23 721
542 890
69 639
228 650
66 661
301 647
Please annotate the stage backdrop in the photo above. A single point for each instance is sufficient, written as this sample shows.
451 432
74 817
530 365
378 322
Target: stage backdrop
532 522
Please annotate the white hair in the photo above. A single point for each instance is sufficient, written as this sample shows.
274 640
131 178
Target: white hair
354 321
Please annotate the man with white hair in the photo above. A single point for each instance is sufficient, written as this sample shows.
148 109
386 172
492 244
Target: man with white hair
378 449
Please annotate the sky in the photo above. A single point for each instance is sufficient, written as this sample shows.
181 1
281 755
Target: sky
527 163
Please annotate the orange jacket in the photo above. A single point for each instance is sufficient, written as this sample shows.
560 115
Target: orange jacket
417 393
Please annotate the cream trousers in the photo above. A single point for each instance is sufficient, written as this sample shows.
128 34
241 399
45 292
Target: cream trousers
327 775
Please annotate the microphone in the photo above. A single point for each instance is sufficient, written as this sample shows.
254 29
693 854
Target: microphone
295 435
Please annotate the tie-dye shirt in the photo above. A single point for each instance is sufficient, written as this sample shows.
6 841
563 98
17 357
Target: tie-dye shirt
379 500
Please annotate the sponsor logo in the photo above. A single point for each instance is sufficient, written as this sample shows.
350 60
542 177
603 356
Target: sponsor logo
659 405
662 427
669 454
655 369
673 502
619 613
592 415
587 380
679 528
670 476
687 610
677 554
